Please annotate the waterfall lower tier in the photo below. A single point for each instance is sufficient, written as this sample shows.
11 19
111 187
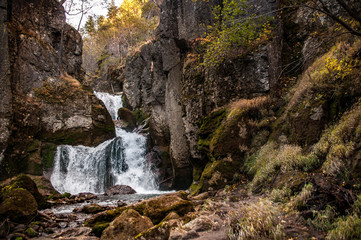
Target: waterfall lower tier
93 169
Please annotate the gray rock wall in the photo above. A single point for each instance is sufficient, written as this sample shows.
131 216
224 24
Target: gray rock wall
5 87
163 79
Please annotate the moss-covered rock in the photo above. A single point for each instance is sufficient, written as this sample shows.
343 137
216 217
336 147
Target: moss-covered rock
207 129
47 154
128 225
158 208
18 204
25 182
98 228
216 175
158 232
92 208
31 233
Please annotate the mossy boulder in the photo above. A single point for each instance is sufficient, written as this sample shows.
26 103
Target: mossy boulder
216 175
92 208
127 116
128 225
158 208
98 228
25 182
18 204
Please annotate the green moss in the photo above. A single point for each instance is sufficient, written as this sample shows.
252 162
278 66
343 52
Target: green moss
140 115
99 227
18 204
216 175
66 195
47 155
207 128
31 233
25 182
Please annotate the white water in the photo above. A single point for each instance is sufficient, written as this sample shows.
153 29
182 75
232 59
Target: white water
117 161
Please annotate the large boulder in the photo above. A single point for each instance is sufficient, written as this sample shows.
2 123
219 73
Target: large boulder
128 225
119 190
158 208
18 204
25 182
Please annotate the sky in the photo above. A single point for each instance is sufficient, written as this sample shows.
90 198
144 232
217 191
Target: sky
98 9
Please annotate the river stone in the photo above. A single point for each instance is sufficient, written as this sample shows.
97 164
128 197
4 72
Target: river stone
119 190
158 208
92 208
128 225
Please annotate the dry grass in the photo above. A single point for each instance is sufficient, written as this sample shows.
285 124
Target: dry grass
255 220
300 199
339 142
58 90
246 104
272 159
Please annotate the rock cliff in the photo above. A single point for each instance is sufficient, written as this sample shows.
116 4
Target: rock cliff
163 79
43 100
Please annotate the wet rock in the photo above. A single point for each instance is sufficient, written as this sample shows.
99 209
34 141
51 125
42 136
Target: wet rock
119 190
92 208
31 233
63 224
128 225
121 203
19 228
127 116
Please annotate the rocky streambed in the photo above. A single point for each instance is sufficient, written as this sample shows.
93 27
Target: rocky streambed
229 213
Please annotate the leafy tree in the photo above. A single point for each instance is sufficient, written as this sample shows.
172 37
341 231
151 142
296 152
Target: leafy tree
233 30
90 25
123 30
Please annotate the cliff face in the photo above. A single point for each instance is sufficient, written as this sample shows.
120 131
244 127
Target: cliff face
44 102
163 79
5 88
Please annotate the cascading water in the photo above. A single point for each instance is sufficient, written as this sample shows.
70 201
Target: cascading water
117 161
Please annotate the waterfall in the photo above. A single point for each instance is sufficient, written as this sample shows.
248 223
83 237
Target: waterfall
117 161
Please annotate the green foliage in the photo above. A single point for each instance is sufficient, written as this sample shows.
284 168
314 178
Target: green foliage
324 219
121 32
234 28
348 227
99 228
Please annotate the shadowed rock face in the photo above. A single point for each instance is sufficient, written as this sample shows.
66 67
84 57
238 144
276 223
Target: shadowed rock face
43 99
162 78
